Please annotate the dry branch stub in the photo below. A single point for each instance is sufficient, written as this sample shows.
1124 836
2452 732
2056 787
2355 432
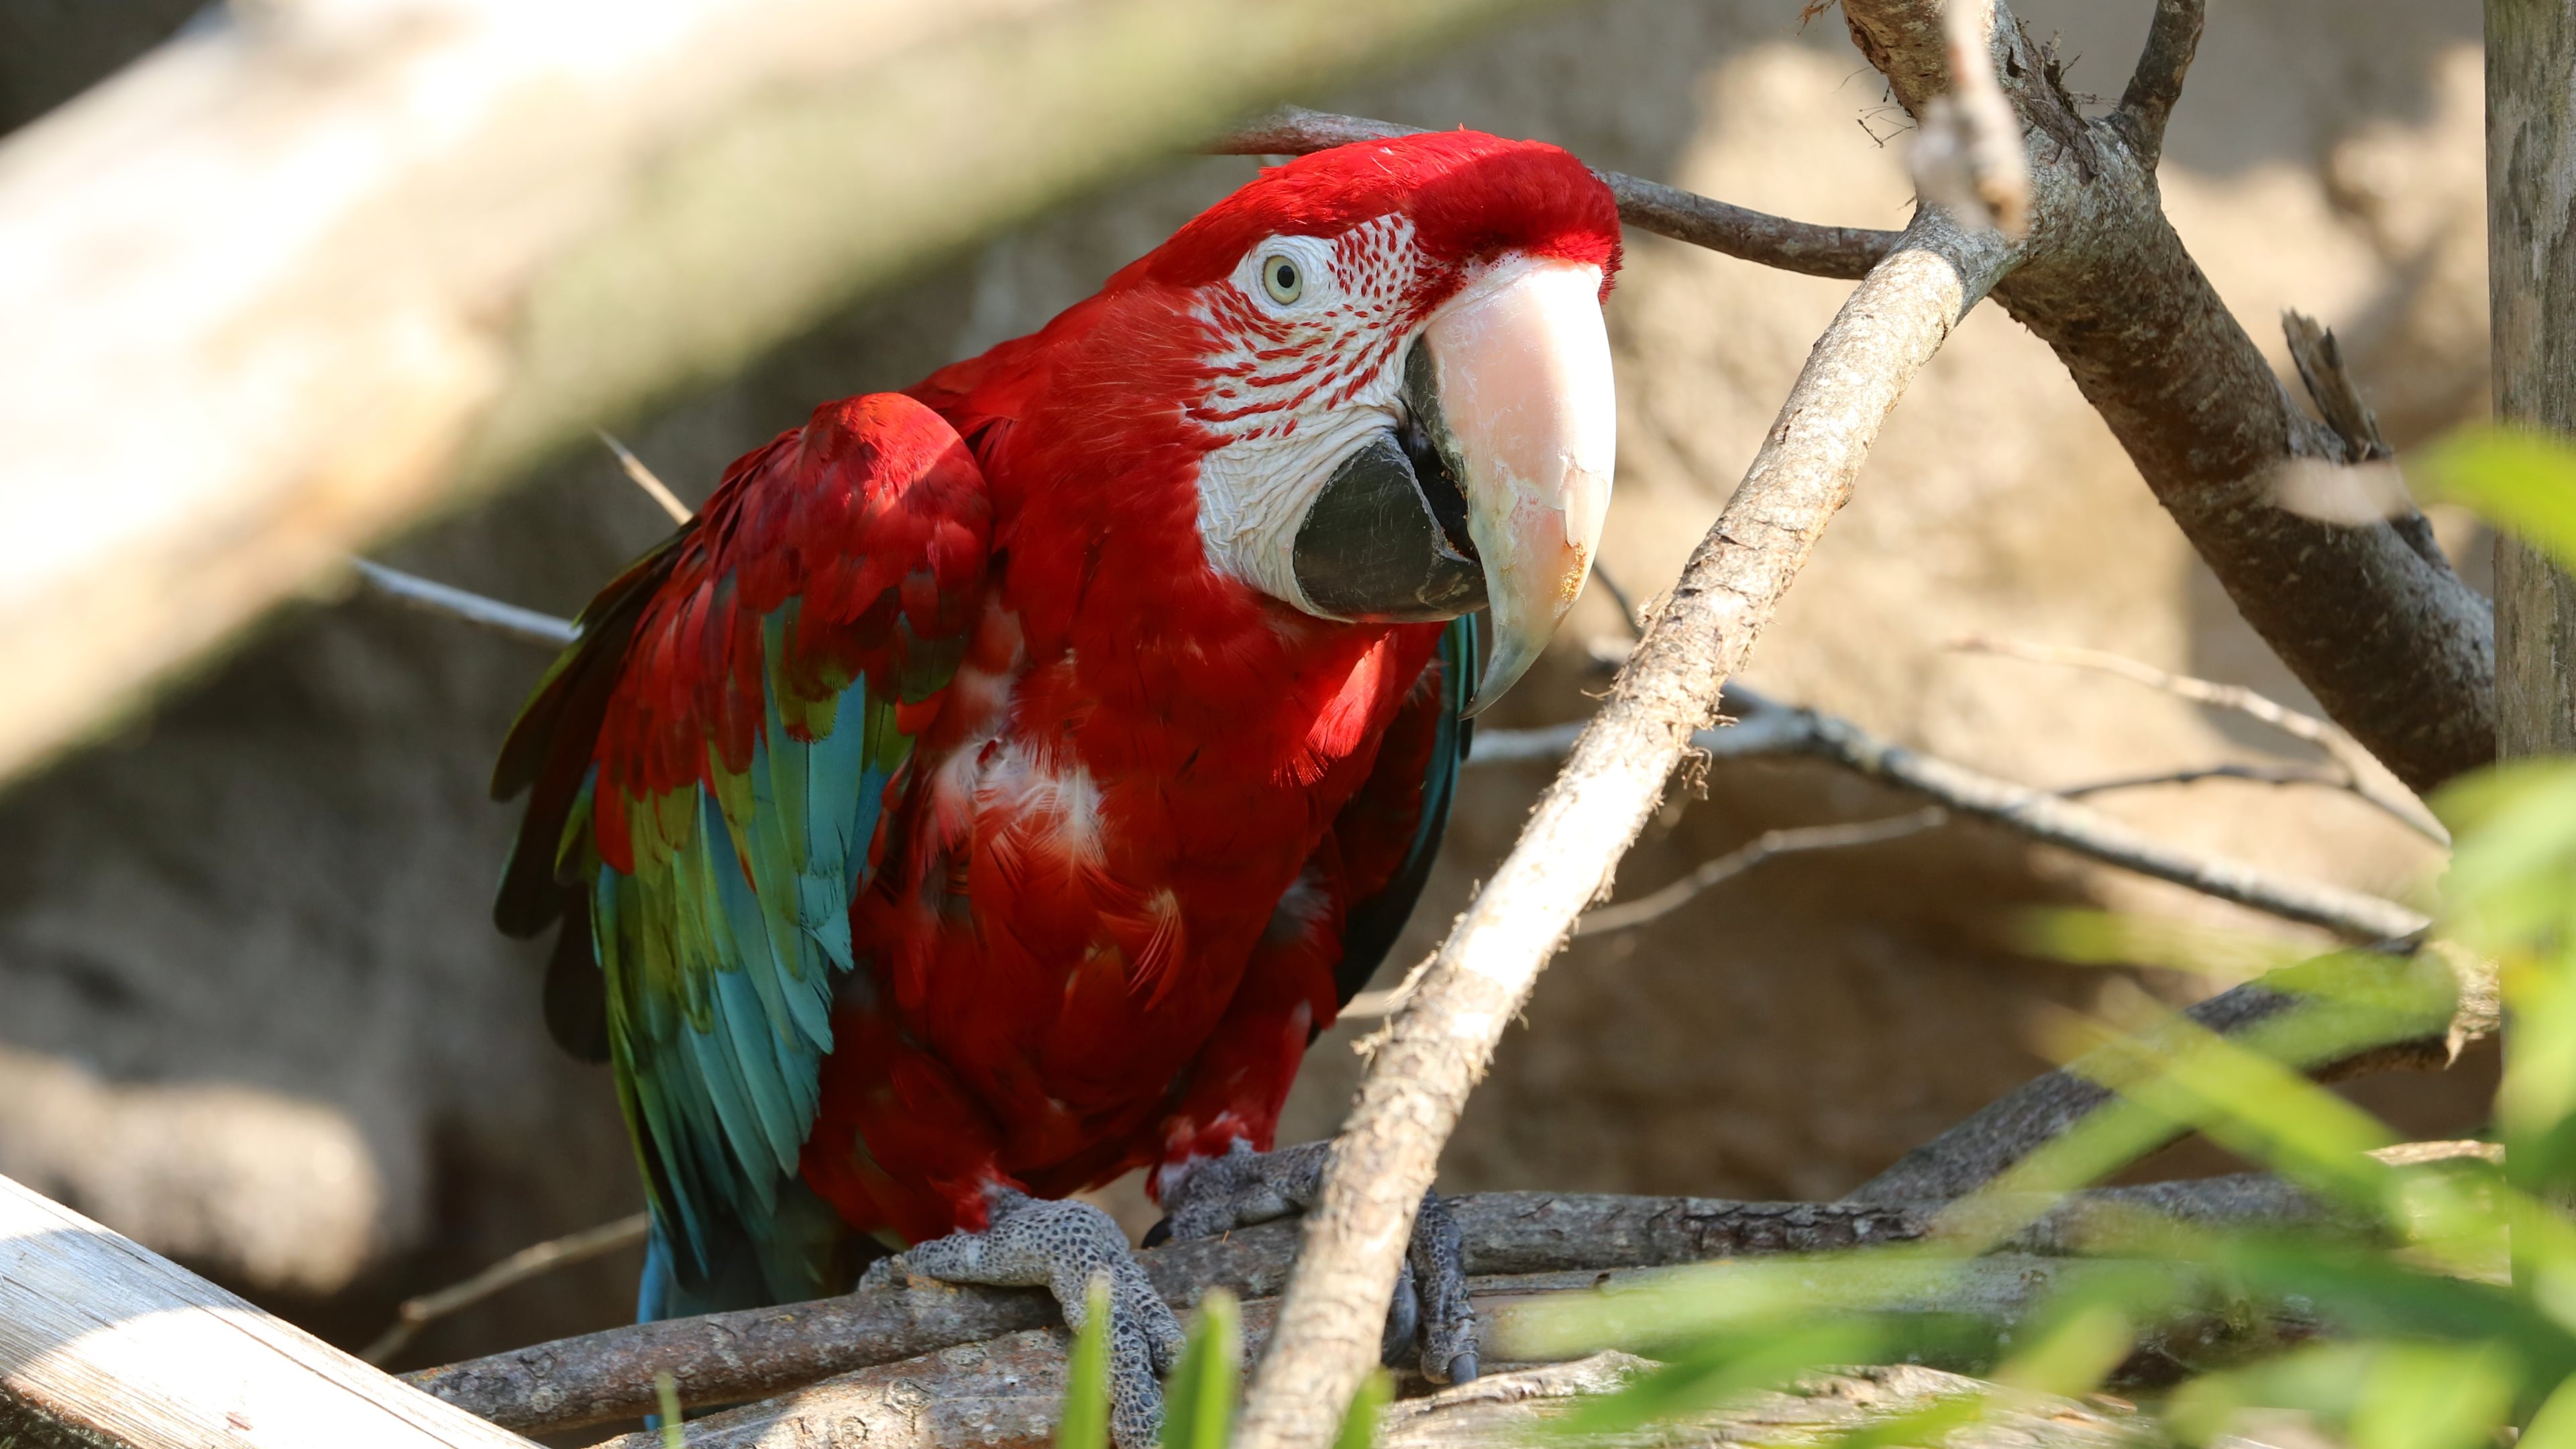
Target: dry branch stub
1439 1044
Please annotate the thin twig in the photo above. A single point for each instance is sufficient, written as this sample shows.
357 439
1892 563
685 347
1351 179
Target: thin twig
1009 1393
1844 252
2347 752
1434 1050
2327 776
645 478
529 1262
1770 845
2070 826
1770 728
1968 155
432 597
1510 747
2156 84
1626 601
730 1357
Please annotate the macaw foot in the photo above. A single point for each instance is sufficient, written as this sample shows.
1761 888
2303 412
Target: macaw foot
1219 1194
1033 1242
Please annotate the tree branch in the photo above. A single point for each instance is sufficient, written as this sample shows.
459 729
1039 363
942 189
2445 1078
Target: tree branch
2010 1128
2156 84
533 1261
1512 1241
2062 823
2351 760
1007 1394
1842 252
2395 647
2257 774
1770 844
646 479
429 596
1439 1044
1969 155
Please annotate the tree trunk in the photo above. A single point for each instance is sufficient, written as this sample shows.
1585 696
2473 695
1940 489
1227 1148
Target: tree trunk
2531 259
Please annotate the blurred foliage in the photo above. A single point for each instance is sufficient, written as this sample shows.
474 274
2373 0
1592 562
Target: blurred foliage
2433 1308
2449 1320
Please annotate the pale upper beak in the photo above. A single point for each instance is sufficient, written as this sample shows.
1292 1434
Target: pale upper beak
1510 441
1522 367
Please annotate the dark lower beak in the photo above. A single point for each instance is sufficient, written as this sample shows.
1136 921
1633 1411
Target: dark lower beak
1492 492
1386 540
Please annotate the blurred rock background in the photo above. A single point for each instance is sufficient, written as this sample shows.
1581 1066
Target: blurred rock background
255 1016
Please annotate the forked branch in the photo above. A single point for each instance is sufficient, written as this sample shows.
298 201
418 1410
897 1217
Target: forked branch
2157 83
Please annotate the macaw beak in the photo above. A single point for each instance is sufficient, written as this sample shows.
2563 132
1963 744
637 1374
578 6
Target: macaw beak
1520 366
1493 491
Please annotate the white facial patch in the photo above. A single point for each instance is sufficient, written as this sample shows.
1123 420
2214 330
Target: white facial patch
1297 386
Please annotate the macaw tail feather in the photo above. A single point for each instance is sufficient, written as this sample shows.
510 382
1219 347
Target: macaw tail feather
802 1251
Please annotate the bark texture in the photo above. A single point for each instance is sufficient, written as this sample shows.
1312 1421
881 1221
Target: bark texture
1007 1394
1514 1240
2531 277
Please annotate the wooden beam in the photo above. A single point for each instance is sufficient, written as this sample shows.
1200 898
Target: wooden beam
311 270
104 1342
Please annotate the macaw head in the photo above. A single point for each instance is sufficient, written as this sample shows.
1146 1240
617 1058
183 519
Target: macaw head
1405 382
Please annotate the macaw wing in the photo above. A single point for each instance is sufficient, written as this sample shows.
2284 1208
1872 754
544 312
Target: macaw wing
708 765
1390 831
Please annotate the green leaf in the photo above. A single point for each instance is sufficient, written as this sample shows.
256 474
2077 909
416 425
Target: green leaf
666 1395
2434 1398
2074 1352
1085 1424
2521 479
2515 852
1198 1404
1359 1426
2554 1426
1932 1424
1724 1366
2115 938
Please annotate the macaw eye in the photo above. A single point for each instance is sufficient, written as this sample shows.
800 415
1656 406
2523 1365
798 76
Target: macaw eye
1281 279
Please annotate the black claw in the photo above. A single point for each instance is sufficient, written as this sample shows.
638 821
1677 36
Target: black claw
1403 1323
1160 1233
1462 1369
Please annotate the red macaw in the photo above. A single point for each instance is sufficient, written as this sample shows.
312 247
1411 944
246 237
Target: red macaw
999 783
